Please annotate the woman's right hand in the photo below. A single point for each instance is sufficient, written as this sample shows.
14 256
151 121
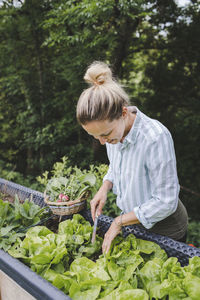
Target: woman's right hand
97 203
99 200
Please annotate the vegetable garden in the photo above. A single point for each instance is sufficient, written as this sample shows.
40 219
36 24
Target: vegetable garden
139 265
42 64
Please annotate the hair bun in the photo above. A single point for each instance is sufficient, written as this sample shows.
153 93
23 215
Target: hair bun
101 79
98 73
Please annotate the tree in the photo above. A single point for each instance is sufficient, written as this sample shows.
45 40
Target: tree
170 87
152 47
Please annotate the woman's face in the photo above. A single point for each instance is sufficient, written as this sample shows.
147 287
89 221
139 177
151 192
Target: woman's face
106 131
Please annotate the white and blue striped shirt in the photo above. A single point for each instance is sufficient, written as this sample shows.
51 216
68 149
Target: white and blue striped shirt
143 171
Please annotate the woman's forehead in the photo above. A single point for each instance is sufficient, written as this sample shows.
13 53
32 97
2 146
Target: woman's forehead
99 128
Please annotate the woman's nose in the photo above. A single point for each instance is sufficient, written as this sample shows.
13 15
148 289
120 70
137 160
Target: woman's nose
102 140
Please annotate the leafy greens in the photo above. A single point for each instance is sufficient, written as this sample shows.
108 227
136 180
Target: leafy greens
73 186
15 218
133 268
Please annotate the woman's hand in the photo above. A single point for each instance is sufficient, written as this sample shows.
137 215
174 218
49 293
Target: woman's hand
112 232
115 228
97 203
99 200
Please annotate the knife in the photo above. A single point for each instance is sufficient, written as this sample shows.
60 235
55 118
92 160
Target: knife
95 228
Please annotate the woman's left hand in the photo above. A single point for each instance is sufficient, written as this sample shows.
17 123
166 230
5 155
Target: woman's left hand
115 228
112 232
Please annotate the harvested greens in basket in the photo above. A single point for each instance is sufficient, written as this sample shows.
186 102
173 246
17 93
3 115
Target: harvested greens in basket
62 189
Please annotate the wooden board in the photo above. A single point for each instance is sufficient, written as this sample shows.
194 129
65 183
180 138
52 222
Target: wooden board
10 290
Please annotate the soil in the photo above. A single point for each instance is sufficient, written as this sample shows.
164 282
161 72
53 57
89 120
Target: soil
6 197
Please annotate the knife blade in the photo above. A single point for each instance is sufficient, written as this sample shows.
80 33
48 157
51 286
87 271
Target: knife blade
94 229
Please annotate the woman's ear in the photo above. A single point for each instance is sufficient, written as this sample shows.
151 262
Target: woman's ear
124 111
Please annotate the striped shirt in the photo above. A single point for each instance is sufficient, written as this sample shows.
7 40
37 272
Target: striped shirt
143 171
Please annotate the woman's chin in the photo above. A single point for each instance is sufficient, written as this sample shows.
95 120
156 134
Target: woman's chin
113 142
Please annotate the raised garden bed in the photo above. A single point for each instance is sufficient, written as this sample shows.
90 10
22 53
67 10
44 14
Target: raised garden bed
40 288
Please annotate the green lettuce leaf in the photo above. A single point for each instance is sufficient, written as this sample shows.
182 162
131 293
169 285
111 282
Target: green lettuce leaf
149 274
89 289
191 285
193 266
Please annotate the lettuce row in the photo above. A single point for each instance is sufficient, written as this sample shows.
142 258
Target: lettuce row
42 249
133 268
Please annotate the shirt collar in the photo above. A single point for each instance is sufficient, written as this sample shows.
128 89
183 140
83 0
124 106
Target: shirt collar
133 133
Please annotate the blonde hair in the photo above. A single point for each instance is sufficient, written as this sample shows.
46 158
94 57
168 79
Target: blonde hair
104 100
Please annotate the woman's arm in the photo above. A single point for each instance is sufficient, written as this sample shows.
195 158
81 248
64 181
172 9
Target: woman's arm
115 228
126 219
163 180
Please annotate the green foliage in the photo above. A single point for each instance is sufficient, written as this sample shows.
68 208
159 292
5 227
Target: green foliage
67 180
45 47
193 235
73 187
133 268
8 172
110 208
59 169
42 249
56 181
15 220
170 86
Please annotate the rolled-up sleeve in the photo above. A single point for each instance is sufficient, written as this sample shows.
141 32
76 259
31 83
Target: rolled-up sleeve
160 164
109 175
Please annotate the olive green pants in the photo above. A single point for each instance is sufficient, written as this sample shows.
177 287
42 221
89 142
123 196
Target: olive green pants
174 226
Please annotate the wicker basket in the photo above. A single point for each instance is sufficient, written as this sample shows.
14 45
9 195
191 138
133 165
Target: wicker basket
68 207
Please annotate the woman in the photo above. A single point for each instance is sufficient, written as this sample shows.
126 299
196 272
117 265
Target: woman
142 170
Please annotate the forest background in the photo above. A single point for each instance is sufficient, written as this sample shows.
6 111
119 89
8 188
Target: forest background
153 48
